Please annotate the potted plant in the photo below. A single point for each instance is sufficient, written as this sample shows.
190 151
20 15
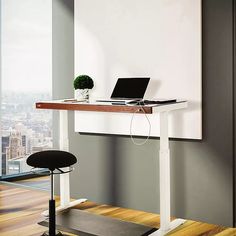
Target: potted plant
82 85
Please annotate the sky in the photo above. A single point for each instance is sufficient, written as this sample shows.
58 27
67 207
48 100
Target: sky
26 37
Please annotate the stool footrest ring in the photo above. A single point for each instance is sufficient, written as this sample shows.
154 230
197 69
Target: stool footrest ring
63 172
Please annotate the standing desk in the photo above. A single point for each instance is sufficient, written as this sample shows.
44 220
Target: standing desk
166 225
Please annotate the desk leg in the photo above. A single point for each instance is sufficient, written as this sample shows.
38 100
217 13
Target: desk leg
164 158
65 202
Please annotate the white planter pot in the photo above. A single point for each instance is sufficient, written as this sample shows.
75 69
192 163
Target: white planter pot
82 94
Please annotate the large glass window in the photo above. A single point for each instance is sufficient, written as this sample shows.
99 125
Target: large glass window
26 62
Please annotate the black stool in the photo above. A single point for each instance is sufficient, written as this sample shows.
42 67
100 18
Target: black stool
52 160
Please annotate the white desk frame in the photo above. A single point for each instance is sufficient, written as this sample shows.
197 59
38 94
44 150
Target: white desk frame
65 178
166 225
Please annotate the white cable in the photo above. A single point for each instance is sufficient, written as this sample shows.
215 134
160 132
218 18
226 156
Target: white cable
131 123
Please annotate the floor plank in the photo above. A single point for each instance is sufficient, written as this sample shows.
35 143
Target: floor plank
20 210
42 182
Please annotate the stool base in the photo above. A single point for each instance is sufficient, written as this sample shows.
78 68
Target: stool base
66 207
58 233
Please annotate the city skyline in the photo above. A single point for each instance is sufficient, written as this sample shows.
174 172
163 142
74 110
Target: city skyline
24 129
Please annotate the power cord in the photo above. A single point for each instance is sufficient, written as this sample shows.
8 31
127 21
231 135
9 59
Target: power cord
140 104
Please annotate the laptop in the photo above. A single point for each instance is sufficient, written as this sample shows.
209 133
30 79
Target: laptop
127 90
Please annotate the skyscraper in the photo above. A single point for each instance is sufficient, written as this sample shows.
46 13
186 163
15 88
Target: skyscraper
16 149
5 144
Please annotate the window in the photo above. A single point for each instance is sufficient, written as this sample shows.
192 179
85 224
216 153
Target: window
26 38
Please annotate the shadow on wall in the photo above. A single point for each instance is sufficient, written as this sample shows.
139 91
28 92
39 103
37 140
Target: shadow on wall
114 159
68 5
152 89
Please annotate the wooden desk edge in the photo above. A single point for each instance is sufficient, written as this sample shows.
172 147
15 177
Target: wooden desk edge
93 107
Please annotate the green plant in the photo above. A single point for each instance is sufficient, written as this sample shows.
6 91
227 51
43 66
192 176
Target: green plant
83 82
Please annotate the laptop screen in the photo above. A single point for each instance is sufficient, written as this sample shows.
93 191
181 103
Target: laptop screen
130 88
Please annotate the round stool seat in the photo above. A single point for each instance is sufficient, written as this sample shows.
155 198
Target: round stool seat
51 159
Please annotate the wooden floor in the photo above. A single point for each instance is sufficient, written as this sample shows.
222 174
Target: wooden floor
42 182
20 210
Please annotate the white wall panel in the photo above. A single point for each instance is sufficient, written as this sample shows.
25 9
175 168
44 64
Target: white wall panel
160 39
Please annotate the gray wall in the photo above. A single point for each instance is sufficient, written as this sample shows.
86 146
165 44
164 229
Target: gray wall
112 170
0 86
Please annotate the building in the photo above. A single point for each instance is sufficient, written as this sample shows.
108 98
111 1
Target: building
5 144
15 150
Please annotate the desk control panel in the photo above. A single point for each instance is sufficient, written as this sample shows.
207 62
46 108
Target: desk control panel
152 102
